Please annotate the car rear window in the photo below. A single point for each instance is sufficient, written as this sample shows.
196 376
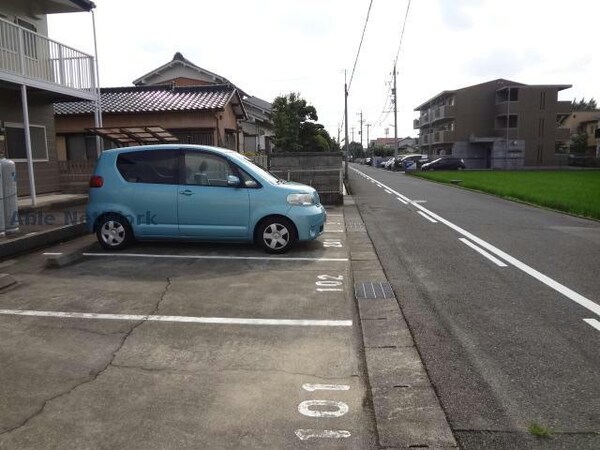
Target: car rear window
155 167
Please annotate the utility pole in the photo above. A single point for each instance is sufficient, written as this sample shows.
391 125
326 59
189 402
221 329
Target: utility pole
352 134
339 132
346 124
394 93
368 141
361 129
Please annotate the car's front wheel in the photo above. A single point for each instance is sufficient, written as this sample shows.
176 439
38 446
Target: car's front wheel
276 235
114 232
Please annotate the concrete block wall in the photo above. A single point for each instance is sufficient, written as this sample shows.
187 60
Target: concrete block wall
320 170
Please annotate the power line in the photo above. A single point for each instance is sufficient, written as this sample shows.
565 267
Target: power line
402 34
383 117
360 45
362 37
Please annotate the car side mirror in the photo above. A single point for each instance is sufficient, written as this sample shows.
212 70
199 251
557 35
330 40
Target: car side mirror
233 181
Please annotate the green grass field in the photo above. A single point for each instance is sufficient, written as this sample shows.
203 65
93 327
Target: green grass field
576 192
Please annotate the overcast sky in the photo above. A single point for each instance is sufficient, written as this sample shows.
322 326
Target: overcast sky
272 47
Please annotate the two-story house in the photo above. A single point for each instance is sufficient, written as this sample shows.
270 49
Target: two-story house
35 72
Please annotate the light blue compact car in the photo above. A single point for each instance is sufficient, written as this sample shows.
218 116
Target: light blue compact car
201 193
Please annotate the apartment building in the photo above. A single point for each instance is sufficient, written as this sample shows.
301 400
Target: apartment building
500 124
35 72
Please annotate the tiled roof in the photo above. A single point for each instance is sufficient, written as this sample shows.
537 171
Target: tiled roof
142 99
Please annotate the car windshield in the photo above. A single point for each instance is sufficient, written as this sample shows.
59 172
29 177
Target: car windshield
268 176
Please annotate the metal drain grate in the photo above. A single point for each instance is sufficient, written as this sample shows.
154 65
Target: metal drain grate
373 289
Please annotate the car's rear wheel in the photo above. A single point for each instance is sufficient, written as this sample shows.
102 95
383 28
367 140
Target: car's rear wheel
276 235
114 232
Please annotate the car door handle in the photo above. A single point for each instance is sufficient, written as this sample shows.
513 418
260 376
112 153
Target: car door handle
186 192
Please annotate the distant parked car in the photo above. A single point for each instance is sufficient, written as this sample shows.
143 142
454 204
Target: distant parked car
417 158
381 162
446 163
583 161
369 161
388 165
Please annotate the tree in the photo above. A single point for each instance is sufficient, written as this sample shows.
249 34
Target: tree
584 105
356 150
579 143
296 127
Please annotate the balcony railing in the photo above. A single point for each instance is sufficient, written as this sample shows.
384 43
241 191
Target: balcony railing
425 139
444 136
35 60
416 124
443 112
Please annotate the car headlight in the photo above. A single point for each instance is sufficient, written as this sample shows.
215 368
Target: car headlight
301 199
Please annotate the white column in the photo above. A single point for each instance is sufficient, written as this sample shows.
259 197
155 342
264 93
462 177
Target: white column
27 132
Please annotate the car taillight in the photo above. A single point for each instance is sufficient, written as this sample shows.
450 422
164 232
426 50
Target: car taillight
96 181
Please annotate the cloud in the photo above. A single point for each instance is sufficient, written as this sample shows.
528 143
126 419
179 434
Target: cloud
458 15
502 62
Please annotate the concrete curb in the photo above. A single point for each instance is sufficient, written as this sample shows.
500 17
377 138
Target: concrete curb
54 205
407 411
41 239
70 252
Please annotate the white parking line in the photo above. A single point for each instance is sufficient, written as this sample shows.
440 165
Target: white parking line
483 252
593 322
562 289
181 319
325 387
387 191
51 254
400 200
427 217
305 434
262 258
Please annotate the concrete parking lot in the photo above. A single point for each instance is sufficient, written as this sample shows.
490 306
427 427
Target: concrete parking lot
172 345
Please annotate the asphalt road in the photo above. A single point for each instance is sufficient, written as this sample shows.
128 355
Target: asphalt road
504 342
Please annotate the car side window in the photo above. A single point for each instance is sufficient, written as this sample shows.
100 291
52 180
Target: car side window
151 166
203 169
247 180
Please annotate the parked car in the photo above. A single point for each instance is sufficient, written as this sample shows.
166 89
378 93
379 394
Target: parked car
417 158
583 160
381 162
191 192
369 161
389 164
446 163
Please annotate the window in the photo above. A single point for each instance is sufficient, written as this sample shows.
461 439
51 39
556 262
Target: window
152 166
202 169
542 100
247 180
81 147
28 38
15 142
198 137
